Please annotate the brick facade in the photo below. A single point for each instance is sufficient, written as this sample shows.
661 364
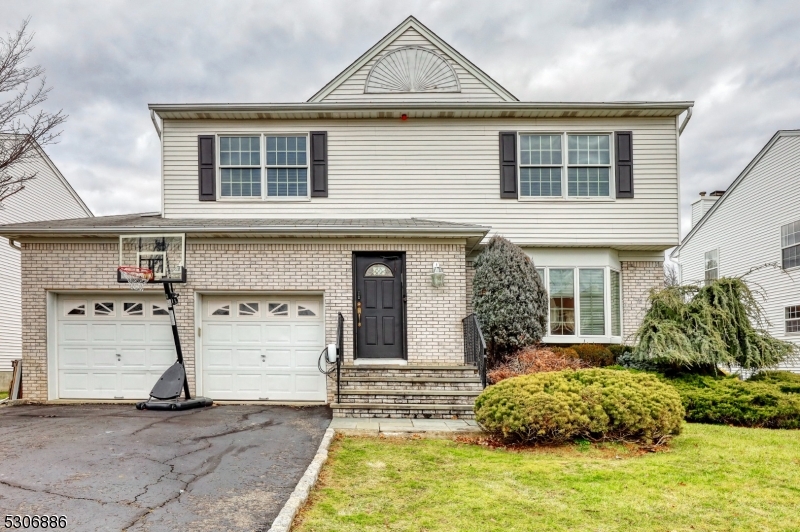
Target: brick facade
638 278
433 314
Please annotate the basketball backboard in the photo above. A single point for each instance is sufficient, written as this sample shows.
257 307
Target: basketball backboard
164 254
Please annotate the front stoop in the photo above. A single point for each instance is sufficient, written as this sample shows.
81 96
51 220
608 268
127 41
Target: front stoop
408 392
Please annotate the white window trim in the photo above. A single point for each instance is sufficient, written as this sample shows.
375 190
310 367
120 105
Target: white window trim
612 189
780 258
263 158
705 264
578 338
786 322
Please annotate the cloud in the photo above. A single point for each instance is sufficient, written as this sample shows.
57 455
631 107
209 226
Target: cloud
108 60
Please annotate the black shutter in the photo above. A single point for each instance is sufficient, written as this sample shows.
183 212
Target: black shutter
206 169
319 164
623 144
508 164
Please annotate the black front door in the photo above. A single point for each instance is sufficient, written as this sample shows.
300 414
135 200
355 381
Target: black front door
379 306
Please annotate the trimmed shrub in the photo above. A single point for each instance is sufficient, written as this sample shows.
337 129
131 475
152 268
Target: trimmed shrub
595 355
596 404
769 400
509 299
566 352
619 350
534 360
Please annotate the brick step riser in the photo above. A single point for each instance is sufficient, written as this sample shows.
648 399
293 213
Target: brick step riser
442 374
413 386
415 400
400 414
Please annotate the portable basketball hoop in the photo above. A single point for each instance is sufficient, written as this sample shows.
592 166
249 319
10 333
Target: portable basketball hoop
135 276
160 258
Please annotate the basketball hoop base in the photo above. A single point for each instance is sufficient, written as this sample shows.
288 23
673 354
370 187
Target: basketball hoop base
175 404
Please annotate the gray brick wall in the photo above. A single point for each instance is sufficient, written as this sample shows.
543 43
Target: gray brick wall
638 278
433 314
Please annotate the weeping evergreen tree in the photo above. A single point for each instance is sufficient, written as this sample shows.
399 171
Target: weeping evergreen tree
509 299
703 327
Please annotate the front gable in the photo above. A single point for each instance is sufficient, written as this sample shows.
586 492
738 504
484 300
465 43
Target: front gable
412 64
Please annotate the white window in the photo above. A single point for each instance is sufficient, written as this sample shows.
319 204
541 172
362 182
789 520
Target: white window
583 302
75 308
287 167
562 301
249 309
307 309
545 172
793 319
589 165
159 310
219 308
133 308
712 265
592 302
240 166
790 245
104 308
540 165
281 173
278 309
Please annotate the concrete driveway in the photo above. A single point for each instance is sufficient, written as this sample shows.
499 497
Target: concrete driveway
111 467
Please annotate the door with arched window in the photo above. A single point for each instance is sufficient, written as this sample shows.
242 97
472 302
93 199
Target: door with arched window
379 305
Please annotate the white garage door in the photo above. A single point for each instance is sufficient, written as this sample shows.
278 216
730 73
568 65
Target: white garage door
112 347
262 348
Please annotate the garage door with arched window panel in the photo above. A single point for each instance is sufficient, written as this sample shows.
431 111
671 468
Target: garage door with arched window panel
262 348
111 346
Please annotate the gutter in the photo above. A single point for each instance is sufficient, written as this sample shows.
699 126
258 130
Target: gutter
685 121
440 106
11 243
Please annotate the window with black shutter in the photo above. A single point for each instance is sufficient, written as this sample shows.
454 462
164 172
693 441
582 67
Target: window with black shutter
623 141
206 168
319 164
508 164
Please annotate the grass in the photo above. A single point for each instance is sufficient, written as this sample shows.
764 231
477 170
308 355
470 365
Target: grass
712 478
3 395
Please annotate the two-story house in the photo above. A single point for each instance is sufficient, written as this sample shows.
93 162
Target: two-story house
404 164
753 229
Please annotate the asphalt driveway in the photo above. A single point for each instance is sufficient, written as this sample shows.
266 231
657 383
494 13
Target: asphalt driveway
111 467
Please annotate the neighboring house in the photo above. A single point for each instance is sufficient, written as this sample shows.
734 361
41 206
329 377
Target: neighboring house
48 197
756 222
293 213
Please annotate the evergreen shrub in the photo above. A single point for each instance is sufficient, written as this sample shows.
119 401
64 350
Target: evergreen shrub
595 404
509 299
769 400
594 355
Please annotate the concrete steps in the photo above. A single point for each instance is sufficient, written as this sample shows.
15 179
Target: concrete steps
416 392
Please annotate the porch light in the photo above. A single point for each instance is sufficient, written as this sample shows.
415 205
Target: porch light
437 276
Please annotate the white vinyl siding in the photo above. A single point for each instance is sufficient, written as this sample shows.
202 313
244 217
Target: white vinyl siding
446 169
45 198
472 88
746 229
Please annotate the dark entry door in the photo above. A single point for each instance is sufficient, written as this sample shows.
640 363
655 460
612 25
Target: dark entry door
380 323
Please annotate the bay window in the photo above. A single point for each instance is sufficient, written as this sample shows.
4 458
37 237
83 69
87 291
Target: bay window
562 301
592 309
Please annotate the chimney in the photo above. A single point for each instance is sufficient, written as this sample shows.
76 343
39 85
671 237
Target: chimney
702 205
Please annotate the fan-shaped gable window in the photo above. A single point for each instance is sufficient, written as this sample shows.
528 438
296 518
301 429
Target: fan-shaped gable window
412 69
379 270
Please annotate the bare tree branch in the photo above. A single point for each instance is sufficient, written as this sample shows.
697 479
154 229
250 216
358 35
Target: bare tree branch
23 127
670 276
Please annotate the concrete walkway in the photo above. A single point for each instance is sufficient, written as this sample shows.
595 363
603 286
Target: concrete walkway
426 427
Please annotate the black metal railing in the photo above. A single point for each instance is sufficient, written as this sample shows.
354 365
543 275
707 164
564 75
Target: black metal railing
339 352
474 346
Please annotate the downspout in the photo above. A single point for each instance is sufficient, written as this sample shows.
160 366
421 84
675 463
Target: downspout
11 243
683 124
158 129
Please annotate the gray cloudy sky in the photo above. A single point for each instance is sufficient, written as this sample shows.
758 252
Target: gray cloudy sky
739 61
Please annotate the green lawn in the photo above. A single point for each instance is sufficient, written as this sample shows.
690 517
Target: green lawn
712 478
3 395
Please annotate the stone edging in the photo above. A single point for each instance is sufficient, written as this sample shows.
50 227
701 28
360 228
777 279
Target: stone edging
297 499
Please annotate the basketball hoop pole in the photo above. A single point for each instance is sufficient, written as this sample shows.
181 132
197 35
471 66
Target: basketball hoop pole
172 298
